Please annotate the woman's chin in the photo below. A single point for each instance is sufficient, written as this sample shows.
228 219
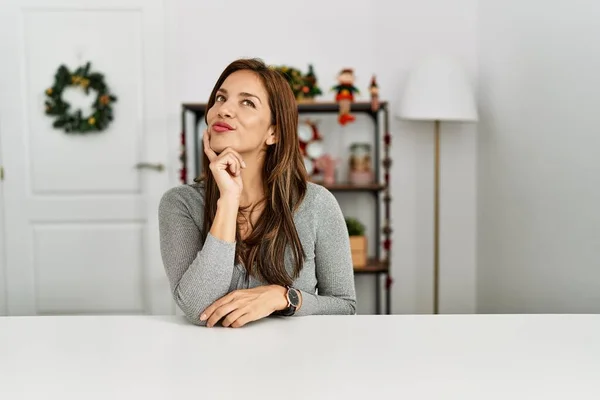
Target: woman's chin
219 149
218 145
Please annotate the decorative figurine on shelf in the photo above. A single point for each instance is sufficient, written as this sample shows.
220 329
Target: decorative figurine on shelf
327 164
310 88
361 170
345 95
374 89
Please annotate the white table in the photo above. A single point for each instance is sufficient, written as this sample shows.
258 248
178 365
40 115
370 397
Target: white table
321 357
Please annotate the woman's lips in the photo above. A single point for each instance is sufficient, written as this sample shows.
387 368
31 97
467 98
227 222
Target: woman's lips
221 127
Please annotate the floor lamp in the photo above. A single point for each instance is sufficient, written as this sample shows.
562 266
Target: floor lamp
437 90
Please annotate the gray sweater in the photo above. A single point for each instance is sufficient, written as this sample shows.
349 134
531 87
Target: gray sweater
201 273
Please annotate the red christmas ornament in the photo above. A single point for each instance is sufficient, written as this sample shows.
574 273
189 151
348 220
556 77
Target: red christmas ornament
387 244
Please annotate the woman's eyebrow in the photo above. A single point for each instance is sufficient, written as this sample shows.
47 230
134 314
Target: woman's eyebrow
243 94
246 94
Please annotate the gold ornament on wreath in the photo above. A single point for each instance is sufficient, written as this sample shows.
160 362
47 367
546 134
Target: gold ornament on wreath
73 121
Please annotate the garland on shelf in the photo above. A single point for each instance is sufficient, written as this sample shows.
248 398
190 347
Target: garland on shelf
304 86
74 121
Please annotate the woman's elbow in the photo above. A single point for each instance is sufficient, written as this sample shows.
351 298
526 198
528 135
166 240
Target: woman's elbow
347 306
195 320
191 313
351 308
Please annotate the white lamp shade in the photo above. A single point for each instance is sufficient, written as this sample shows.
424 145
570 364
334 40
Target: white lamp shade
438 89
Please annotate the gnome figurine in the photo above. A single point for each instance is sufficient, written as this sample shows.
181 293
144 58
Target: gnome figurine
345 95
374 90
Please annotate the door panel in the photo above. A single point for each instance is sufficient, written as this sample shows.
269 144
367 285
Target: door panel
83 223
92 163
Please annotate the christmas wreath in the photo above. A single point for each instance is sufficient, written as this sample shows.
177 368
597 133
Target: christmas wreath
74 121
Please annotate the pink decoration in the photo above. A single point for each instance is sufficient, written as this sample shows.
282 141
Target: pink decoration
327 164
361 177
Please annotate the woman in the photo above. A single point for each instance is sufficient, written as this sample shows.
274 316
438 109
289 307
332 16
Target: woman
253 237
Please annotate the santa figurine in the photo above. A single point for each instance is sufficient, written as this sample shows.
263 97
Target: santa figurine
374 90
345 95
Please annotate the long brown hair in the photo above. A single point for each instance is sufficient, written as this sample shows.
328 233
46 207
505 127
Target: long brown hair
284 182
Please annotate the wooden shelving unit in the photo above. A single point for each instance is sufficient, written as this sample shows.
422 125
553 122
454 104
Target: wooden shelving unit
348 187
378 266
373 266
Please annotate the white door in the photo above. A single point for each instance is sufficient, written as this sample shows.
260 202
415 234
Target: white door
81 215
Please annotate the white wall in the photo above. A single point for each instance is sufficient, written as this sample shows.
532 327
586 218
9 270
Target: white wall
536 166
372 37
539 157
3 290
379 37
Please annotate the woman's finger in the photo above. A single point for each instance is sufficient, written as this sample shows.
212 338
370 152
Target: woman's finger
225 162
232 164
243 320
210 153
222 311
237 155
208 312
234 316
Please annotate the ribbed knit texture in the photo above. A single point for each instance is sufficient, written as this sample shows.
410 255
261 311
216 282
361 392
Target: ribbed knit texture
201 273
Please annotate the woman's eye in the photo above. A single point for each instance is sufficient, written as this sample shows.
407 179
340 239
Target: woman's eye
220 98
248 103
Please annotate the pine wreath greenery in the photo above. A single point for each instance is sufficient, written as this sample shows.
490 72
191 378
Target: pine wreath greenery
293 76
73 121
304 86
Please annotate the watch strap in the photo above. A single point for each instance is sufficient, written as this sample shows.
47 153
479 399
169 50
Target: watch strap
290 309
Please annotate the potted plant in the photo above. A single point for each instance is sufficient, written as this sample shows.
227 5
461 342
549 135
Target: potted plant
358 242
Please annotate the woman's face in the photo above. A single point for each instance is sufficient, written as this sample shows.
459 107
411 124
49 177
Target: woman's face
241 116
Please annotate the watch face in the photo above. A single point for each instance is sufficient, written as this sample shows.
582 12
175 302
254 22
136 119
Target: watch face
293 297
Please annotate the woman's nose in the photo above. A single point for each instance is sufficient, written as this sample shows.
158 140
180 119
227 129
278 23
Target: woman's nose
225 110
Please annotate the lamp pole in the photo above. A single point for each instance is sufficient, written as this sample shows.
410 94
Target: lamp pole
436 222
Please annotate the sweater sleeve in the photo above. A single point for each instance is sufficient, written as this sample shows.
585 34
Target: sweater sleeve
199 273
333 262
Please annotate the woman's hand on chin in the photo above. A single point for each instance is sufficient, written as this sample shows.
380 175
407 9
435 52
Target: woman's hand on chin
226 168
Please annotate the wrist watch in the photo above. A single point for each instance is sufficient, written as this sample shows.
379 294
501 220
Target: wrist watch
293 299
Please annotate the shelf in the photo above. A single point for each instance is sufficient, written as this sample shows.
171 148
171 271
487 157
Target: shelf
316 107
380 118
348 187
373 267
332 106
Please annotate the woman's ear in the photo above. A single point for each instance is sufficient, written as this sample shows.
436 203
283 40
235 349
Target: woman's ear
271 138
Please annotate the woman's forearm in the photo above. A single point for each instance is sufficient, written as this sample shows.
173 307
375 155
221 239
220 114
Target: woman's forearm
224 225
199 271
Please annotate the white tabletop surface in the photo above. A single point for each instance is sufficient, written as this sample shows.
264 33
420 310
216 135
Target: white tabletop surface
319 357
